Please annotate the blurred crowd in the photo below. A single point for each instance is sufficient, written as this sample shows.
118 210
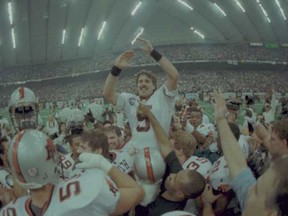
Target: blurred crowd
199 81
176 53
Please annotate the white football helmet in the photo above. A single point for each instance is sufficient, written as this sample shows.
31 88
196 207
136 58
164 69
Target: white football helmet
33 159
23 109
178 213
75 121
201 165
63 115
220 176
149 165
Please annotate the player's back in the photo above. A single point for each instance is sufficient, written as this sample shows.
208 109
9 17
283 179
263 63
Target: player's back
90 193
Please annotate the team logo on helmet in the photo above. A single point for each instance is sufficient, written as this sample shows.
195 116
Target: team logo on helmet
33 172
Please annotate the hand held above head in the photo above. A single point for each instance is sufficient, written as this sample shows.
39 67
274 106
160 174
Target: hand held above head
123 60
146 45
220 109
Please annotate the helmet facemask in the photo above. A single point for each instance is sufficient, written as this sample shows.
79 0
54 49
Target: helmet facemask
24 116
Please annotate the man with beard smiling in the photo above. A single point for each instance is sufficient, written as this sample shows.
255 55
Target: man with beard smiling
161 101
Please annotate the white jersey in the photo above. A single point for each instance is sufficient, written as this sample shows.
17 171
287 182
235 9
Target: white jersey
162 105
122 160
6 178
91 193
201 165
66 165
119 119
243 142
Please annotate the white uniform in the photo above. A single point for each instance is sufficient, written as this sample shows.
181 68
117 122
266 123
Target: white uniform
66 165
122 160
201 165
162 105
243 142
91 193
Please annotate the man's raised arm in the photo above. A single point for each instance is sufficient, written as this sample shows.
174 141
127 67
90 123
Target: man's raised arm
231 149
165 64
121 62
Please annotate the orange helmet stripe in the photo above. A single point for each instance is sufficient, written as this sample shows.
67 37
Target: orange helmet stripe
149 167
15 157
21 92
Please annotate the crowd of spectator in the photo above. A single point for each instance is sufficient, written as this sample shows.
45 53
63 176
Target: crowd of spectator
199 81
176 53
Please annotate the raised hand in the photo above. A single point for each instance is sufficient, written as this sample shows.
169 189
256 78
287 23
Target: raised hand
220 109
123 60
146 45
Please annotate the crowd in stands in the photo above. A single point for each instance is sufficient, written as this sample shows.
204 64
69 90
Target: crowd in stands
176 53
190 81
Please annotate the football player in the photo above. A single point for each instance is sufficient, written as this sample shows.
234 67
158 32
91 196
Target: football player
100 190
161 101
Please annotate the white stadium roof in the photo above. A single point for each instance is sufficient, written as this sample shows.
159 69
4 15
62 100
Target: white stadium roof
37 31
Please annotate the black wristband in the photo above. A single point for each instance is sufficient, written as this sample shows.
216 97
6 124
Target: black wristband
156 55
115 71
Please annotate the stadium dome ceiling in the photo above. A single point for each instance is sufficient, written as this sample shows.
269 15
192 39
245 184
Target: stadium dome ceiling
38 25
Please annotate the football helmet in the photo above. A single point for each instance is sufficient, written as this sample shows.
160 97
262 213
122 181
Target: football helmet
63 115
149 165
33 169
75 121
23 109
220 176
178 213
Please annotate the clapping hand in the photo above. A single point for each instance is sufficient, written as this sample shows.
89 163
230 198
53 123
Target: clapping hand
146 45
124 60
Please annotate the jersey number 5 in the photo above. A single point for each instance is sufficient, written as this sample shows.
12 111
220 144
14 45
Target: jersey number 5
71 189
